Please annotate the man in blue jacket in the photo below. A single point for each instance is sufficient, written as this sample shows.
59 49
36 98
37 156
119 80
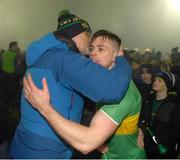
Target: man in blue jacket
69 75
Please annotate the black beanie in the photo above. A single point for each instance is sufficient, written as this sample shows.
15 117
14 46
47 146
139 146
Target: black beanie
71 25
168 78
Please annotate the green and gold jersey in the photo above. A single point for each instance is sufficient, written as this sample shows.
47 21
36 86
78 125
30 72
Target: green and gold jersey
123 144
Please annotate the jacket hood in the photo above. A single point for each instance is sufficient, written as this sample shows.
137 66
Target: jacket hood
37 48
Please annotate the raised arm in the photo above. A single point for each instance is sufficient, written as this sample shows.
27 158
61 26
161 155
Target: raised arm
95 81
85 139
92 80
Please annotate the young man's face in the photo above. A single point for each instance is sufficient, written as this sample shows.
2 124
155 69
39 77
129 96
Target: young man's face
103 52
146 76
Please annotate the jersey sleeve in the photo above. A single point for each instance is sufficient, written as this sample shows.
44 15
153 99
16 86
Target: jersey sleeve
128 106
115 112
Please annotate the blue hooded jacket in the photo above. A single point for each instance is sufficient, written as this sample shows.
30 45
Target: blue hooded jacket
67 74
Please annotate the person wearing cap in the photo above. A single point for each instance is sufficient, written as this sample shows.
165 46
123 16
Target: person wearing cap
162 116
114 123
68 74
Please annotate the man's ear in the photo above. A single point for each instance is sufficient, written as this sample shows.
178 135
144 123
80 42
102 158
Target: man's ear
121 51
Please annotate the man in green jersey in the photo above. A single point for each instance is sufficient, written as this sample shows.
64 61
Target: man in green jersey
123 143
115 124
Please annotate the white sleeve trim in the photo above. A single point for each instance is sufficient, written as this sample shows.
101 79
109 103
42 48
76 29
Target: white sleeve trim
109 117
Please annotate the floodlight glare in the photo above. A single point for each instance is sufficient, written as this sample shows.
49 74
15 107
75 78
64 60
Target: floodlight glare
175 4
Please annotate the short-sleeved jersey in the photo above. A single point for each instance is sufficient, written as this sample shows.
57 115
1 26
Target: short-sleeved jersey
123 144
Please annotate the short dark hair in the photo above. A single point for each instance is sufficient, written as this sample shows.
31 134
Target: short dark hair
13 43
106 35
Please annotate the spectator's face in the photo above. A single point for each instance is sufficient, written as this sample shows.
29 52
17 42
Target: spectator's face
14 48
82 42
135 65
146 77
159 84
103 52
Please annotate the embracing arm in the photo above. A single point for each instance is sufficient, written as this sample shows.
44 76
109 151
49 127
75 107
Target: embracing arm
94 81
84 139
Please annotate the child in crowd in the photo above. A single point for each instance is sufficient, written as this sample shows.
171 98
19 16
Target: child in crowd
162 116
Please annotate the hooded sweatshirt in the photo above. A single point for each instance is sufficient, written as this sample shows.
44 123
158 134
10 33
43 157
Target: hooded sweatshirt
67 75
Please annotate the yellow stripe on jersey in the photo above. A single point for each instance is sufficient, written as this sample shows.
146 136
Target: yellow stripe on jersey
128 125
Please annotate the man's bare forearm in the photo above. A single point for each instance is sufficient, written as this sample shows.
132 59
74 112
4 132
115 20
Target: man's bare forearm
84 139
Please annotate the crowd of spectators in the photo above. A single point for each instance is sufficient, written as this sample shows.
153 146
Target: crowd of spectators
12 69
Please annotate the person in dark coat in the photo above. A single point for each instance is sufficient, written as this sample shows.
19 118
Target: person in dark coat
162 116
145 85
